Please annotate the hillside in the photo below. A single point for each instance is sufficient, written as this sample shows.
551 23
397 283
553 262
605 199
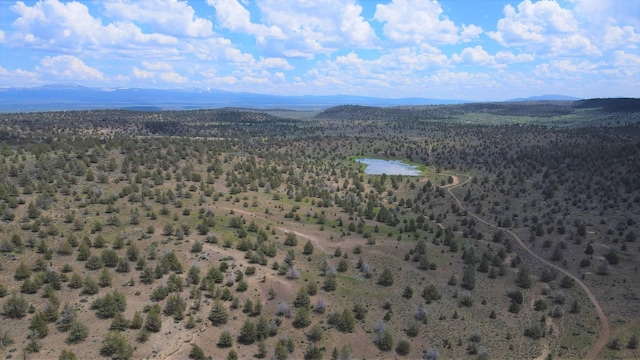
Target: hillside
601 111
223 233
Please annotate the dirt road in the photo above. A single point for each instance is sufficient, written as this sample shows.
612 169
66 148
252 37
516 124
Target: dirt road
605 330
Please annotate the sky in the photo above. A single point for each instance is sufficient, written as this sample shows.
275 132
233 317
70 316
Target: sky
479 50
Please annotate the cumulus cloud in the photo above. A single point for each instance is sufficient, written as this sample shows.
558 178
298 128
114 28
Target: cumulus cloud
52 25
478 56
475 55
235 17
419 21
322 46
619 37
68 68
622 12
142 74
299 28
532 23
403 69
157 66
18 78
629 64
543 26
274 63
507 57
567 69
172 32
159 71
167 16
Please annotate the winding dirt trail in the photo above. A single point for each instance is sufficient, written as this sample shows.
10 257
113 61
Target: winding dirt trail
178 347
605 330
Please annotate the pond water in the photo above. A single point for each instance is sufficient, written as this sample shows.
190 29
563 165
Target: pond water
389 167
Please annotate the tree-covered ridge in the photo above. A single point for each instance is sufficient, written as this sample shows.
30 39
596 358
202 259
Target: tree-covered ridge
537 110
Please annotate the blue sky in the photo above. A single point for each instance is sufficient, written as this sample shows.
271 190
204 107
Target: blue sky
448 49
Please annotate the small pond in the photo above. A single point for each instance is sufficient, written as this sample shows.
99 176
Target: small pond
389 167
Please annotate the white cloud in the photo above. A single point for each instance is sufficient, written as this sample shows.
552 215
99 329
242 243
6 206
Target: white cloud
478 56
470 32
2 36
68 67
157 66
628 64
619 37
280 77
475 55
18 78
404 70
238 57
69 27
159 71
546 28
314 27
623 12
419 21
142 74
507 57
235 17
173 77
532 23
274 63
572 44
567 69
167 16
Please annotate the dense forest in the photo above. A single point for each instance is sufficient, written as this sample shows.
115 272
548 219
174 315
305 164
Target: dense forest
238 233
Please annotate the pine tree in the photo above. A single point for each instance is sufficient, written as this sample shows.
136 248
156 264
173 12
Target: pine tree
67 355
386 341
247 333
15 306
302 299
523 279
116 346
469 278
197 353
67 317
226 339
291 240
308 248
136 321
105 278
39 324
77 332
386 278
22 272
218 314
154 319
302 318
119 323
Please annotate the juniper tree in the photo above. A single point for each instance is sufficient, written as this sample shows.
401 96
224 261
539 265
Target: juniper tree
247 333
218 314
15 306
115 345
386 278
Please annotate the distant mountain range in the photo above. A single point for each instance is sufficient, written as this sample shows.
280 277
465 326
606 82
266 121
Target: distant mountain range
74 97
548 97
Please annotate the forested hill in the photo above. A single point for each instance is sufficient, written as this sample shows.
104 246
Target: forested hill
610 105
357 112
553 111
